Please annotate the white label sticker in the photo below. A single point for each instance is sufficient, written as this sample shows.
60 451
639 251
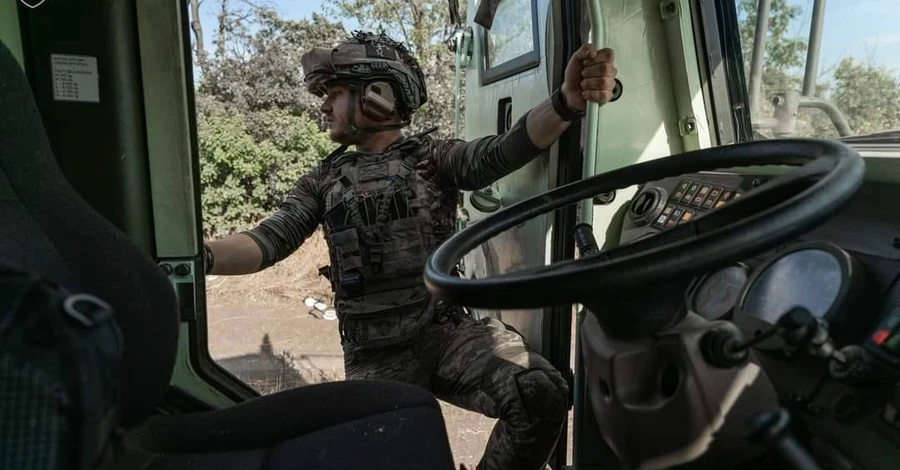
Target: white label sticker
75 78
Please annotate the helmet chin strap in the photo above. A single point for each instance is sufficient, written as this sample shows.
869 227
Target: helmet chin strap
352 128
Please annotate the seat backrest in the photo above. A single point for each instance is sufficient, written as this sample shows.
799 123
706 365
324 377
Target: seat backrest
45 226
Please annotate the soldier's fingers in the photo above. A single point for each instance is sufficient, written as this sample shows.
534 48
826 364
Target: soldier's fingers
586 51
602 55
602 69
601 83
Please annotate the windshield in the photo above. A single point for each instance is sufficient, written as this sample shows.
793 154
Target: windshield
823 69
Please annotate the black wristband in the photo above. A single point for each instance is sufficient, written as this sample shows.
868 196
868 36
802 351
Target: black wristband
209 259
558 100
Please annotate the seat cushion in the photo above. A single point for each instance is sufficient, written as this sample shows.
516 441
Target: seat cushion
350 424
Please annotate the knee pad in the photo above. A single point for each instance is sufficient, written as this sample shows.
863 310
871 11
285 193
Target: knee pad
544 394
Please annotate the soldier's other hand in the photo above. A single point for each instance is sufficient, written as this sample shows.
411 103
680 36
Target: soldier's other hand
590 76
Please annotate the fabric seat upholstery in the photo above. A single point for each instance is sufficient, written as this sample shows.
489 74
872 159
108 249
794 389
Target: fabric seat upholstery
48 228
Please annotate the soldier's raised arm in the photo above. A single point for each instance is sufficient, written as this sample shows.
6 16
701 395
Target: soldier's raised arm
590 76
275 238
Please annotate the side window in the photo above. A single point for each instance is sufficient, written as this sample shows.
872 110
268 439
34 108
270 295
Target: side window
512 44
821 70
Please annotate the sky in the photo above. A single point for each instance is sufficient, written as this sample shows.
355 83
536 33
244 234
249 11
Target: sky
868 30
865 29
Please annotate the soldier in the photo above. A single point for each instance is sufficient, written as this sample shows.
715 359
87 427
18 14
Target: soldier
386 206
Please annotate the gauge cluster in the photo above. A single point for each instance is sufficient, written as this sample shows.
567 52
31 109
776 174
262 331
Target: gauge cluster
817 276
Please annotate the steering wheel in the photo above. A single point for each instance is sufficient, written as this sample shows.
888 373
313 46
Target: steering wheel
827 174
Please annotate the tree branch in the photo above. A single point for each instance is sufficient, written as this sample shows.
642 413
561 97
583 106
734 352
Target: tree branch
400 21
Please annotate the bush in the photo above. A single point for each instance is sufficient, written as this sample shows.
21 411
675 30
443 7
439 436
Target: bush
249 161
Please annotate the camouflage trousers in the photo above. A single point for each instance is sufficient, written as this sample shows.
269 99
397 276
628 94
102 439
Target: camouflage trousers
482 366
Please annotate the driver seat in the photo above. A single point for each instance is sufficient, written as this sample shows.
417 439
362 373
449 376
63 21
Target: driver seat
49 229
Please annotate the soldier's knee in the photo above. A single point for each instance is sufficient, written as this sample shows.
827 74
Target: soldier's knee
544 394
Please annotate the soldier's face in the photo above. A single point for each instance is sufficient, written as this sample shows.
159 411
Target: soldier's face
335 108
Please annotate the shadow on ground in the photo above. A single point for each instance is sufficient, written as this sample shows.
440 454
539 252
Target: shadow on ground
269 371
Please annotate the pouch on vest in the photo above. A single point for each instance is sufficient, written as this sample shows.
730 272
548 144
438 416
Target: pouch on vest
385 318
348 259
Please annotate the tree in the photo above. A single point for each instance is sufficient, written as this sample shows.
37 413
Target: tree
783 54
868 96
256 62
426 28
256 123
248 162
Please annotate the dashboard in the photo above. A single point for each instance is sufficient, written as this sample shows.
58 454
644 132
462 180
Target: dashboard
844 272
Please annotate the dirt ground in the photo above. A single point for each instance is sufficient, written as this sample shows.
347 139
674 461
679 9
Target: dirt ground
261 330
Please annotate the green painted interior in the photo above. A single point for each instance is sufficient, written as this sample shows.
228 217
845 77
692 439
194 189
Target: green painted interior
10 35
100 146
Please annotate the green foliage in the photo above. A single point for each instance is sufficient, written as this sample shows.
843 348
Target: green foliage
867 95
256 64
424 26
248 162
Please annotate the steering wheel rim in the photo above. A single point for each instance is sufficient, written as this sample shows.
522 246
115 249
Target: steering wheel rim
831 172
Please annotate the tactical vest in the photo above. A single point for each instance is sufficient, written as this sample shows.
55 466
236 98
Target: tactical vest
381 224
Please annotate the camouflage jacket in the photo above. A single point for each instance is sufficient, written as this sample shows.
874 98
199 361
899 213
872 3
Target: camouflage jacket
383 214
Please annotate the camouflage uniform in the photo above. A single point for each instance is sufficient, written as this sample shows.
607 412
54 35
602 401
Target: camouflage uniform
478 365
485 367
384 213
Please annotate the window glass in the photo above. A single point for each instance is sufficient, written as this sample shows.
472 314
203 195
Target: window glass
512 32
853 89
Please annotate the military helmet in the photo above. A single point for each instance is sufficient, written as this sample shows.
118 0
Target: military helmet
367 57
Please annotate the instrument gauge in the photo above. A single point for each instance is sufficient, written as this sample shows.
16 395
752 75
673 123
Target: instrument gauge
717 293
817 276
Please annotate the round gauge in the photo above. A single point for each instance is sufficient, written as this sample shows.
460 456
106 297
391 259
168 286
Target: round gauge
818 276
718 292
810 278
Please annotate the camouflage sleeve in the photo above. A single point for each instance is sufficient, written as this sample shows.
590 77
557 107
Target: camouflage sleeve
478 163
280 234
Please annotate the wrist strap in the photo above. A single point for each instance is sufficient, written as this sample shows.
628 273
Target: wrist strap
558 100
209 259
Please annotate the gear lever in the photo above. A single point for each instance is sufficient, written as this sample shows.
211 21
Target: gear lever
772 429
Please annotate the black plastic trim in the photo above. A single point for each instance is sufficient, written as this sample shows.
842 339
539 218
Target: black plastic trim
718 34
557 327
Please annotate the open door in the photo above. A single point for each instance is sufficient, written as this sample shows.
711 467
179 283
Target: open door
511 71
514 65
113 82
663 111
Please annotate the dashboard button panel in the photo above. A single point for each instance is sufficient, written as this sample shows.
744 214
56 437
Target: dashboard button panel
664 204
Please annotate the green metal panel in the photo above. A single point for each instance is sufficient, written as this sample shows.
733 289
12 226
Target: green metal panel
528 244
165 88
98 141
644 123
9 29
185 376
692 125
